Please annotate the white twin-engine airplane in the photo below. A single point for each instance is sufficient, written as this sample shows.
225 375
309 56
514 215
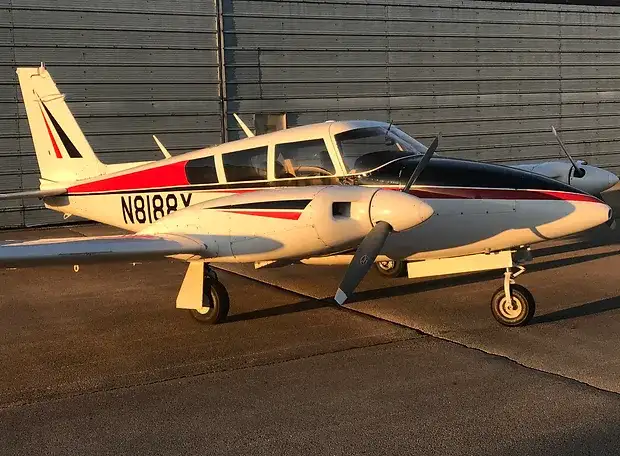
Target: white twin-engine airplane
339 192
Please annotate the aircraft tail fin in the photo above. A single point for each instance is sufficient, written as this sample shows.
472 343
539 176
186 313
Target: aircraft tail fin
62 150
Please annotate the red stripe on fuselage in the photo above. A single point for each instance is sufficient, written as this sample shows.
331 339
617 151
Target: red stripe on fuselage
498 194
49 132
172 175
271 214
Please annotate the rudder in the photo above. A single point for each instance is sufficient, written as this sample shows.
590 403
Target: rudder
62 150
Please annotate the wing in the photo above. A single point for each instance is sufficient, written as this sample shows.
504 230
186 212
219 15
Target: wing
33 194
97 249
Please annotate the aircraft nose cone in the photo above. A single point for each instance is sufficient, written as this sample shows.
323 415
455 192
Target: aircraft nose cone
613 180
401 210
600 213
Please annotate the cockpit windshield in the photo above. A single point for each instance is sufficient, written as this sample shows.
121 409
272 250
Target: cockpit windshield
364 149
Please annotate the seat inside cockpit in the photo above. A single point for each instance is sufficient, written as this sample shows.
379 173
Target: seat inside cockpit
303 159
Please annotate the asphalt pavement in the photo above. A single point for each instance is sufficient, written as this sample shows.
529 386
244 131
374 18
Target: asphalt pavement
100 361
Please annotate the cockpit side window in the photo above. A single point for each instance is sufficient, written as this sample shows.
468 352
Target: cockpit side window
246 165
363 149
303 159
201 171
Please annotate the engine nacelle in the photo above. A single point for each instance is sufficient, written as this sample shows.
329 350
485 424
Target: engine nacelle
291 223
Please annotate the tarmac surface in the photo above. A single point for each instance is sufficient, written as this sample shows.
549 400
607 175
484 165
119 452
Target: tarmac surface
100 361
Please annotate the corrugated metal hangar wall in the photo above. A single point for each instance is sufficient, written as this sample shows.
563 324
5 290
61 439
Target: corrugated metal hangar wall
129 69
491 76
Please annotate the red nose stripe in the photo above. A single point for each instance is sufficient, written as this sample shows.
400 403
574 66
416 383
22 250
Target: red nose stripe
499 194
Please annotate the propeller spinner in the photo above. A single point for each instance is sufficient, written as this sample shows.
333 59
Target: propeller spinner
387 215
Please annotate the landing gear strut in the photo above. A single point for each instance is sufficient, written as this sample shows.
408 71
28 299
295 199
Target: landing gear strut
203 294
520 308
215 302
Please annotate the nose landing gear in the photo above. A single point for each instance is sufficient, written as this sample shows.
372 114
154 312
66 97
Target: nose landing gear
519 308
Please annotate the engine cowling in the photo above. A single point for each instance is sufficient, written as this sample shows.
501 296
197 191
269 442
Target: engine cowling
292 223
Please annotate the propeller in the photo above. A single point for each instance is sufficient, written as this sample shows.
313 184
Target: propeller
579 172
422 164
371 245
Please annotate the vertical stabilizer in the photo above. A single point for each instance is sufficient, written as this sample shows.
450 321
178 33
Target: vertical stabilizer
62 151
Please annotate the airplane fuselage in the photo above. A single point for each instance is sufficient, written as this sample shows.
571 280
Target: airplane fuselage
477 207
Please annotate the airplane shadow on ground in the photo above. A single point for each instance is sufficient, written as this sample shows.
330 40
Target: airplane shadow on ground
426 285
445 282
590 308
566 248
302 306
597 237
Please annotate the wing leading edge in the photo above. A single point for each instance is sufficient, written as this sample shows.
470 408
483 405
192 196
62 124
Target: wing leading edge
98 249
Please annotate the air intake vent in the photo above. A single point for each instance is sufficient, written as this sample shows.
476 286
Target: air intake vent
341 209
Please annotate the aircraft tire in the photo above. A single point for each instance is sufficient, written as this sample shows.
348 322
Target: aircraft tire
521 311
216 295
392 268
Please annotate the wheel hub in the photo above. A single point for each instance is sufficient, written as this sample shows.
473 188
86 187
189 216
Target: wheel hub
386 265
510 308
208 307
204 310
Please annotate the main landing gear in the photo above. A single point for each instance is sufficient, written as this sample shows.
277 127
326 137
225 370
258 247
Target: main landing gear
215 302
203 294
392 268
517 310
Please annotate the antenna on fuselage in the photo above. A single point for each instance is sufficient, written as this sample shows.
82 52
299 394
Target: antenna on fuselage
243 126
387 132
579 172
162 148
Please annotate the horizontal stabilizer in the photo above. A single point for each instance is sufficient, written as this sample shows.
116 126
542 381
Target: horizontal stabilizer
33 194
78 250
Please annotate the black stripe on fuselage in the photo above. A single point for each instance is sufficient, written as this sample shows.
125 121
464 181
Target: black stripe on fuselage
440 172
71 149
269 205
452 172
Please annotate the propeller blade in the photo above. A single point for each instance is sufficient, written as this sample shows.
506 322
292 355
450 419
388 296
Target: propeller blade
422 164
364 258
579 172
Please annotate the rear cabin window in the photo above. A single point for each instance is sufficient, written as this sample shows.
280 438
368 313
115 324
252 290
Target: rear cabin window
201 171
246 165
303 159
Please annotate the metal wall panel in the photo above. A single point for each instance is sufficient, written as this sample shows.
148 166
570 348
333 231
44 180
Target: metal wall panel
491 76
129 69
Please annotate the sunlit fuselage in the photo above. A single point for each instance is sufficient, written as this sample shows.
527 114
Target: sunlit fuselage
477 207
